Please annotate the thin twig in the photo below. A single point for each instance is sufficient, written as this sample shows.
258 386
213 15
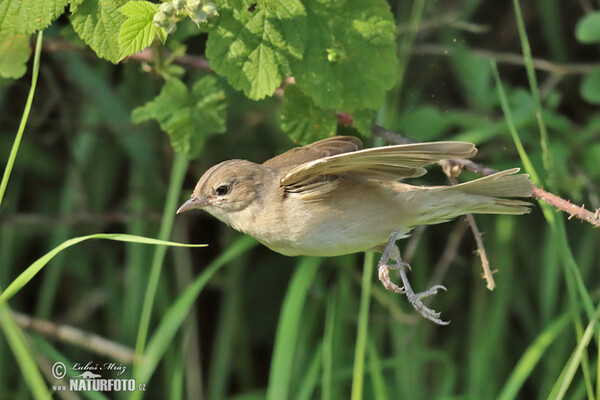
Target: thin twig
565 205
485 263
510 58
68 334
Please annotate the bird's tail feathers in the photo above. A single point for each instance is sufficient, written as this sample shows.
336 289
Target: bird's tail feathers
493 194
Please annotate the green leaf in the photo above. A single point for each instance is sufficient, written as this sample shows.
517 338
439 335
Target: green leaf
176 314
98 22
138 31
588 28
253 49
187 116
590 87
23 355
350 61
21 16
288 328
14 53
302 120
26 276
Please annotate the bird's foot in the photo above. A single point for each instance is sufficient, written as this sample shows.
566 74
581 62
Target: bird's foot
413 298
384 276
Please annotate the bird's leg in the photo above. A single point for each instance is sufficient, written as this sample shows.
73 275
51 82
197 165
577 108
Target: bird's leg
413 298
384 269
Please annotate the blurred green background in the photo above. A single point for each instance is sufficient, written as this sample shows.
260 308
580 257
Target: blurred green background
269 326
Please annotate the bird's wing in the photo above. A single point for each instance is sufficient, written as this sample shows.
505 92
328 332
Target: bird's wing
314 151
388 162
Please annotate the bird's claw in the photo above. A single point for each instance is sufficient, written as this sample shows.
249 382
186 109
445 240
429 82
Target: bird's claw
415 300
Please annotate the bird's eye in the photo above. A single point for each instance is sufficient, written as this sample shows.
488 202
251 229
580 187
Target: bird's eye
223 190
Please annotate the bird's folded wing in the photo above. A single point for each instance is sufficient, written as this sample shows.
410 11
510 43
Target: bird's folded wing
389 162
322 148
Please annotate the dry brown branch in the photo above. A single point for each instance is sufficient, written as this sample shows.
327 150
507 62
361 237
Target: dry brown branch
573 210
510 58
86 340
485 263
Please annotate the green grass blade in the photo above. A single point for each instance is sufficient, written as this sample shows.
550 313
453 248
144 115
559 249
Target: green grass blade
34 268
566 377
14 336
328 347
376 371
15 147
219 370
311 376
176 314
546 156
573 278
530 358
358 376
556 224
49 351
512 129
287 330
177 175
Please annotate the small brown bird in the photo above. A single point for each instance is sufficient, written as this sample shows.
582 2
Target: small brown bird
331 198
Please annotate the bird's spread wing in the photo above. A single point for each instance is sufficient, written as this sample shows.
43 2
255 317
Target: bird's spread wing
314 151
388 162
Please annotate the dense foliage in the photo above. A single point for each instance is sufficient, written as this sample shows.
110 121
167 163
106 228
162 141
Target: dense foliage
247 79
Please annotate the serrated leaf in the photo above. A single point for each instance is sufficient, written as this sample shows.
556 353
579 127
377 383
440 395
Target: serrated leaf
14 53
20 16
187 116
302 120
138 9
98 22
350 61
253 49
588 28
590 87
138 31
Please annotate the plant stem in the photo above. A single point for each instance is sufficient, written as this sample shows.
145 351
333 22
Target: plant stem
180 165
361 336
24 118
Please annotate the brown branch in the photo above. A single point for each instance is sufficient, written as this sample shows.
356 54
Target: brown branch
511 59
485 263
68 334
573 210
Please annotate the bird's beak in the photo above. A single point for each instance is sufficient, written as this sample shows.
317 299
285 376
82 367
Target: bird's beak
193 202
